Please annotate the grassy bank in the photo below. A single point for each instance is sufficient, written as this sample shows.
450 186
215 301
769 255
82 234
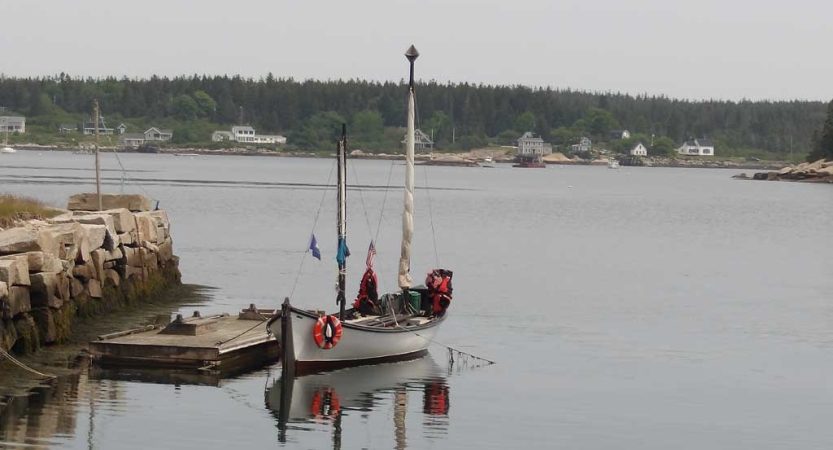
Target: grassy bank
14 208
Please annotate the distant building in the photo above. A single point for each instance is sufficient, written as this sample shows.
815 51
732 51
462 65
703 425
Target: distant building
697 147
65 128
220 136
639 150
89 126
3 109
530 144
133 140
584 145
620 134
246 134
421 141
13 124
156 134
121 128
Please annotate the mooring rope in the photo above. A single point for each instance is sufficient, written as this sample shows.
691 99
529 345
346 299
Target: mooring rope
23 366
451 350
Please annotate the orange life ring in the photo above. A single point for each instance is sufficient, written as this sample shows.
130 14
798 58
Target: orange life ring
327 332
325 403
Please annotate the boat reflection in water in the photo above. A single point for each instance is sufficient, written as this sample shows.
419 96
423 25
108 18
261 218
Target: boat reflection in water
334 398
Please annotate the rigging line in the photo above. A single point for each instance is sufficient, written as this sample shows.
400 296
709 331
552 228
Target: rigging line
366 215
431 216
314 222
23 366
127 177
381 215
361 197
241 334
443 345
384 199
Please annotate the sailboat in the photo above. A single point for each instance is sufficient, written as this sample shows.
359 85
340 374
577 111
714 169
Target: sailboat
391 327
6 148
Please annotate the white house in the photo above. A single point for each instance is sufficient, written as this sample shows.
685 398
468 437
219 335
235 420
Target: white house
13 124
247 134
133 140
89 127
243 133
584 145
421 141
220 136
269 139
529 144
697 147
639 150
121 128
155 134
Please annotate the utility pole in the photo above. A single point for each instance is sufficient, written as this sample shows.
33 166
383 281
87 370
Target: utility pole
453 134
96 118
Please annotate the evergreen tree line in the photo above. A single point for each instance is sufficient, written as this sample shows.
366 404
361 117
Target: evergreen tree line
822 140
467 114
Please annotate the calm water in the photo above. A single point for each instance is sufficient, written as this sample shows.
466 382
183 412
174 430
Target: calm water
642 308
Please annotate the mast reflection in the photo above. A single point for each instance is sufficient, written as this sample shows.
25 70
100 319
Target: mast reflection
352 397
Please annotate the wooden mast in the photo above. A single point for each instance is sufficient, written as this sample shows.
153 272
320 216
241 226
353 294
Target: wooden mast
96 118
342 253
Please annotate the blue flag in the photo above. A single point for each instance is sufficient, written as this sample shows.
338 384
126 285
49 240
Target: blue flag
343 252
313 245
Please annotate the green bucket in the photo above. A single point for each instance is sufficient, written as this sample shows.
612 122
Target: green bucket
415 300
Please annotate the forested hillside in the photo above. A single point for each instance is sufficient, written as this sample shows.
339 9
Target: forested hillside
471 115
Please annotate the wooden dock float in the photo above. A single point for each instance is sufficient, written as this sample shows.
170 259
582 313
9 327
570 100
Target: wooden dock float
213 343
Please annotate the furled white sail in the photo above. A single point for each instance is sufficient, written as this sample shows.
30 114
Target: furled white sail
408 214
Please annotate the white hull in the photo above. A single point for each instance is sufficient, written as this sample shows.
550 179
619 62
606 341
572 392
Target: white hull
7 150
357 346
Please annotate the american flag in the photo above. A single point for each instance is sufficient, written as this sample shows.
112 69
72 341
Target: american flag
371 252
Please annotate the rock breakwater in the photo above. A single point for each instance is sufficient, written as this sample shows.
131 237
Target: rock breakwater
80 264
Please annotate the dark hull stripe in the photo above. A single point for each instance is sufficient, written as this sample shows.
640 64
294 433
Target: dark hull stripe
309 367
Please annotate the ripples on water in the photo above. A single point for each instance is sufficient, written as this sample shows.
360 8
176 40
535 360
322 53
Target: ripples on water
637 308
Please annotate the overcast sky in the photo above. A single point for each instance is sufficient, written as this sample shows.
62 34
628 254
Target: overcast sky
700 49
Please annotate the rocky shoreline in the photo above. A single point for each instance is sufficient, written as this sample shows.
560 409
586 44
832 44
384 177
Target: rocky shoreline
820 171
465 159
81 264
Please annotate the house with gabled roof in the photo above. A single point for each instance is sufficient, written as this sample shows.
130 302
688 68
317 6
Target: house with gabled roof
246 134
421 141
89 126
133 140
156 134
639 150
531 144
697 147
13 124
584 145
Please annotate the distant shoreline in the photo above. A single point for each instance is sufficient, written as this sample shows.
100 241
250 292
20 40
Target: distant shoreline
465 159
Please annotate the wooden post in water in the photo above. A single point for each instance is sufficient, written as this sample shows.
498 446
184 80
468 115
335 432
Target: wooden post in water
96 118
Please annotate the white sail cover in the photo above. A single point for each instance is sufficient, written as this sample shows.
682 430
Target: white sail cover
408 215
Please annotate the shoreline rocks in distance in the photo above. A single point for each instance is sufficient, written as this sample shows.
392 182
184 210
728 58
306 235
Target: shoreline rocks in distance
820 171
